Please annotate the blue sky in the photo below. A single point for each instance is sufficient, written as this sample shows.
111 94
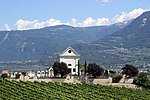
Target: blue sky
28 14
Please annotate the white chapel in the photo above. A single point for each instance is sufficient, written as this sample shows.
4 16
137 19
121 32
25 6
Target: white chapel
71 58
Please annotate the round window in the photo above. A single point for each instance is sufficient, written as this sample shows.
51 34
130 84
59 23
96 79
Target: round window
69 51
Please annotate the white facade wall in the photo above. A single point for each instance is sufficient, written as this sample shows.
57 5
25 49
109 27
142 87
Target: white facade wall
71 58
73 61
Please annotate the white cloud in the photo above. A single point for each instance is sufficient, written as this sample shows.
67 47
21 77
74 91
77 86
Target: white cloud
73 22
95 22
89 22
6 28
124 16
104 1
36 24
103 21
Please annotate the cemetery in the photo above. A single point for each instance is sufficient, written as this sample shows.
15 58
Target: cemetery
66 70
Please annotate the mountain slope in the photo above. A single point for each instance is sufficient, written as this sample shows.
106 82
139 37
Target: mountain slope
131 45
34 44
137 34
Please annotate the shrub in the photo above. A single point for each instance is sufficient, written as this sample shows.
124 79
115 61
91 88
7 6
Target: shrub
17 76
112 71
23 73
3 76
142 80
116 79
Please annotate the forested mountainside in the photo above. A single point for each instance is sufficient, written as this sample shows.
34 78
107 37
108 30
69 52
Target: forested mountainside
131 45
34 44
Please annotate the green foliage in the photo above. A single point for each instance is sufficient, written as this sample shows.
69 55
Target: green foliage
116 79
21 90
60 68
95 70
3 76
17 76
81 66
23 73
130 71
112 71
78 68
85 67
142 80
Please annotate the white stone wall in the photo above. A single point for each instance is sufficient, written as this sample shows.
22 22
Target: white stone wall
102 81
71 60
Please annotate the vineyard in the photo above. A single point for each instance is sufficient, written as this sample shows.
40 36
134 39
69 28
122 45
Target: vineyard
21 90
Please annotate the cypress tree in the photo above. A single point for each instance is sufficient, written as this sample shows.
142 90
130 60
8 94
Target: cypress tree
78 68
85 65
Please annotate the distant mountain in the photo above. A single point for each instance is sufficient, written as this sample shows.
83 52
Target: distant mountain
135 35
131 45
38 43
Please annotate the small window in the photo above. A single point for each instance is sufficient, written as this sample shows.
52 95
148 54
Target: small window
74 70
69 51
69 65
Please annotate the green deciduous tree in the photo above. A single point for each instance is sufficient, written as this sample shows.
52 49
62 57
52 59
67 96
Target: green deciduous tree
142 80
130 71
95 70
60 68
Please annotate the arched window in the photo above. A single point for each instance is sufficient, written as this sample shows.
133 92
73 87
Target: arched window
69 65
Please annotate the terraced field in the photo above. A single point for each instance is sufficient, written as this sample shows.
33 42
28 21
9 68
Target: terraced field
20 90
